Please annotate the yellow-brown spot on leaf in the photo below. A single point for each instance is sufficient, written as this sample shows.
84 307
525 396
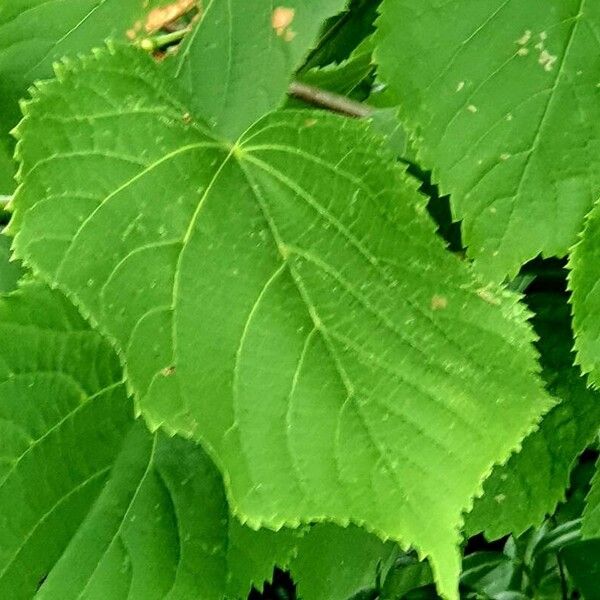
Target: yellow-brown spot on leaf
281 19
168 371
130 33
162 16
439 302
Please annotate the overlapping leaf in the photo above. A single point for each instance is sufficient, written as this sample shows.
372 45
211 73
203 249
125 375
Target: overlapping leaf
523 492
10 272
591 516
584 275
7 167
283 299
338 564
246 57
504 104
36 33
63 416
92 504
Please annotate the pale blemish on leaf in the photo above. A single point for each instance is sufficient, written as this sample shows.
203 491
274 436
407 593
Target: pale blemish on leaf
524 39
460 86
132 33
547 60
488 297
281 19
439 302
159 17
472 108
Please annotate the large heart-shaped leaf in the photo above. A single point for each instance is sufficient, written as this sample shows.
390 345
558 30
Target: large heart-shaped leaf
503 100
282 298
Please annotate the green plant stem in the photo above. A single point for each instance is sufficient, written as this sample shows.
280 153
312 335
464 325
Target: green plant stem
563 578
150 44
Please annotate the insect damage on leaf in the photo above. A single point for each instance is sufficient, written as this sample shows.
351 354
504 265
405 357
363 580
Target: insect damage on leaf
281 19
165 15
438 302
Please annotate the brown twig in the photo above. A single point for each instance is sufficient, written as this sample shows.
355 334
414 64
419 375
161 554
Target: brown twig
329 100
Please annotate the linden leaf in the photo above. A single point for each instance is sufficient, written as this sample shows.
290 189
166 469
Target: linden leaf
283 299
503 102
247 57
63 416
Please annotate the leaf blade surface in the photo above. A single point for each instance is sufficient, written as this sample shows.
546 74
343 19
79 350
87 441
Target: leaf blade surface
284 300
504 108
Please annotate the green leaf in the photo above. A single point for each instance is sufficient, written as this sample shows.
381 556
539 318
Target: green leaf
284 300
63 416
157 530
7 167
407 574
35 34
347 77
488 573
523 492
590 527
583 563
246 57
252 555
584 273
503 103
338 563
342 34
161 529
93 504
10 271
